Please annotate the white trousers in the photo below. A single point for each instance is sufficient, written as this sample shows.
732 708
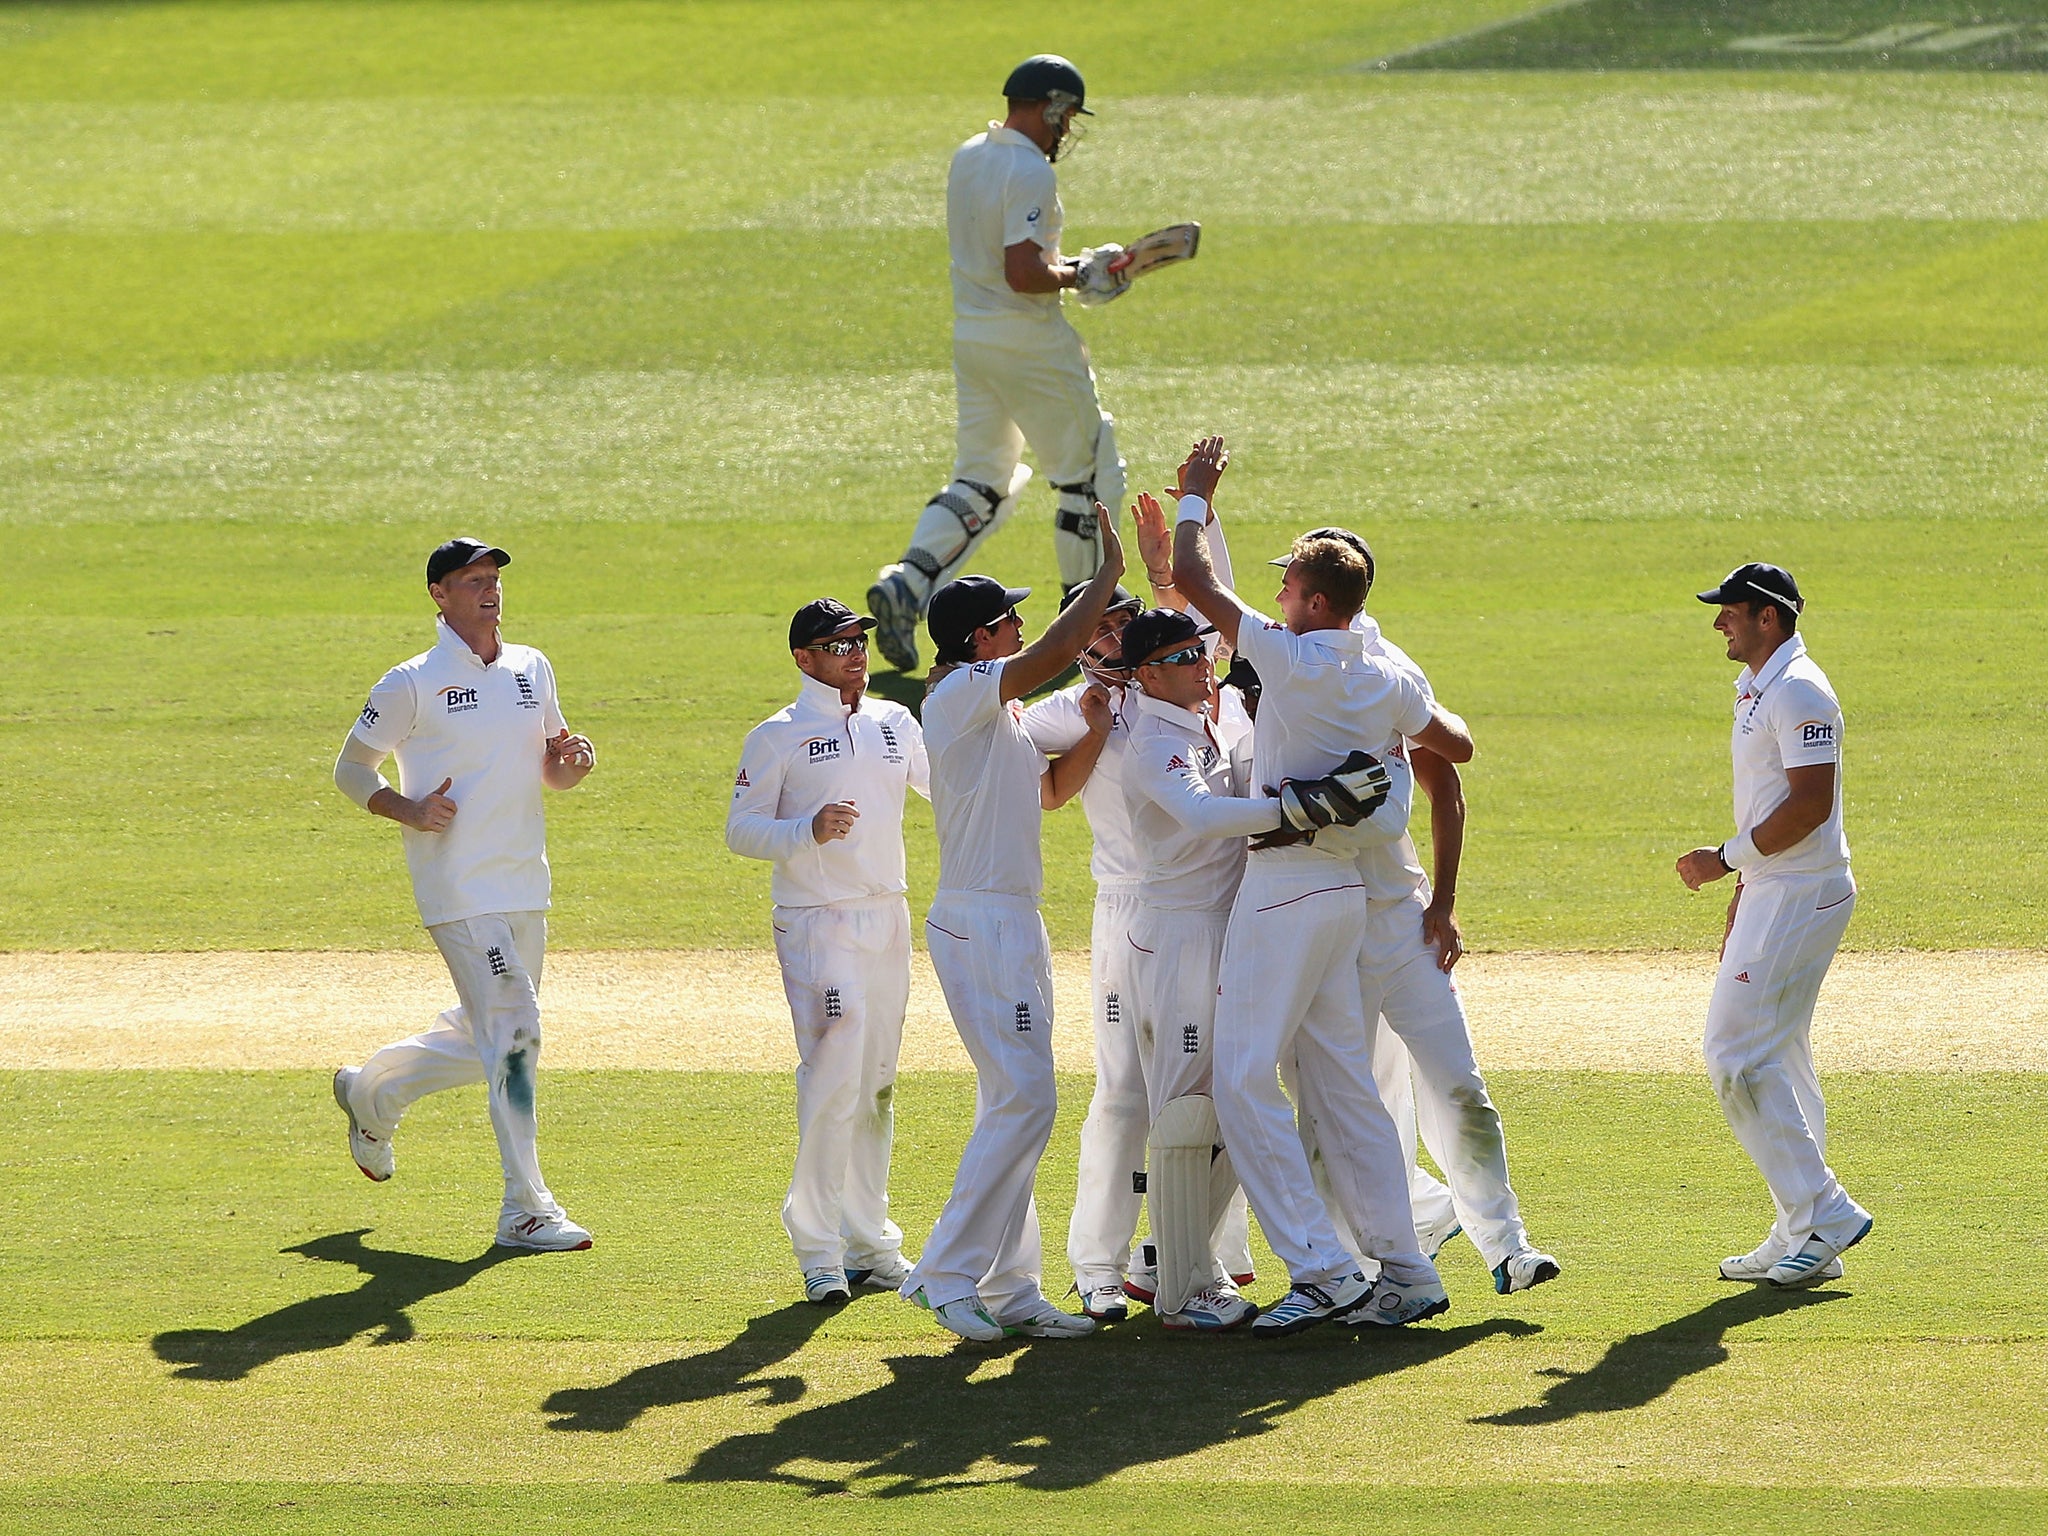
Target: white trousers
846 972
1460 1125
1031 383
1759 1045
491 1037
1107 1193
1177 957
1290 987
995 966
1428 1195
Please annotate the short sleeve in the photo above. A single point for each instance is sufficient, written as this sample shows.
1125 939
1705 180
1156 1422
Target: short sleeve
1055 723
1267 645
389 716
1412 702
967 697
551 704
1030 199
1808 724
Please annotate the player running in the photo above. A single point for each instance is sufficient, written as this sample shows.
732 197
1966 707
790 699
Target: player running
980 1270
820 793
478 732
1020 371
1793 897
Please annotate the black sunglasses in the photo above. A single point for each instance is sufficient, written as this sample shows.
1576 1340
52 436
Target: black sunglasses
1186 656
845 645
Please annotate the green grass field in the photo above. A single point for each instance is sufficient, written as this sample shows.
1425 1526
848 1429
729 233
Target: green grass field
1569 315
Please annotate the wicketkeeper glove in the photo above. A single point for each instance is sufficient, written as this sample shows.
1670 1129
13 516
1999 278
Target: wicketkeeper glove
1094 282
1343 799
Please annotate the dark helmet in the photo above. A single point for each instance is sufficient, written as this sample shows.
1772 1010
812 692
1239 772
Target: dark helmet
1048 77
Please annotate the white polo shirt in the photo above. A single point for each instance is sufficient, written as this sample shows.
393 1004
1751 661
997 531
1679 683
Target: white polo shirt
1322 698
446 715
819 752
985 774
1000 192
1786 717
1391 870
1057 725
1185 788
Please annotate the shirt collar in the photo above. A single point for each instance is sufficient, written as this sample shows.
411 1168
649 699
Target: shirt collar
445 639
998 134
823 697
1187 719
1783 657
1350 640
1367 628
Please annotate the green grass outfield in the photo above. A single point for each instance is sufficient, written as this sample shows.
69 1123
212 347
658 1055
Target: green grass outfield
205 1296
655 295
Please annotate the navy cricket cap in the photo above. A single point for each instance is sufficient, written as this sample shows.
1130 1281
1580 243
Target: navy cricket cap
457 553
821 617
961 607
1119 600
1757 583
1154 630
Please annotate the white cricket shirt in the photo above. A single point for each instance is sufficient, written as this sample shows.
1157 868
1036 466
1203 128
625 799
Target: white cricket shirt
446 715
1322 698
819 752
1185 786
985 774
1786 717
1391 870
1000 192
1057 725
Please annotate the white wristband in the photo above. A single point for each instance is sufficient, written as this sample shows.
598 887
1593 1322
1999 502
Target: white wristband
1740 851
1193 509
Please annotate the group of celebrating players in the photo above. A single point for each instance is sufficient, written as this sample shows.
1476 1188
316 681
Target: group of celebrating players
1274 1014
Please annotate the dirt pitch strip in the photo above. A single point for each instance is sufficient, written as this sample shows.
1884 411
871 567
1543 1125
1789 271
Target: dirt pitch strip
698 1010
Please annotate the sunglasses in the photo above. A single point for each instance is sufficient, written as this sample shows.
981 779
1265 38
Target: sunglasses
1186 656
845 645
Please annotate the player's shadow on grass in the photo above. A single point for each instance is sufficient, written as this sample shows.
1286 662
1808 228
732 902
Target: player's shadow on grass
396 1281
739 1366
1642 1367
1057 1415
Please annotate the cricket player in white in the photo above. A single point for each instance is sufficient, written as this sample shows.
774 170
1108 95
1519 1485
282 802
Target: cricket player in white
478 732
819 793
1020 370
1793 897
980 1270
1291 979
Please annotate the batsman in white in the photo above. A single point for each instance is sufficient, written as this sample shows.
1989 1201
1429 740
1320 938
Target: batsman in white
1793 897
478 732
1020 371
980 1270
1290 976
1411 945
819 793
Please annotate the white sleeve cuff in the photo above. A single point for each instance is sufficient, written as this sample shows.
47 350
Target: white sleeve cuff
1193 509
1740 851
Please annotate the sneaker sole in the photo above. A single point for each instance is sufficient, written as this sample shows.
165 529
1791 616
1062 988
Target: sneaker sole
355 1129
1166 1321
1359 1318
506 1242
889 614
1108 1315
1287 1330
1818 1274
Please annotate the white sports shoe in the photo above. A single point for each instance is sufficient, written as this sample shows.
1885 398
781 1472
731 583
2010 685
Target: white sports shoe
1105 1302
1523 1269
1142 1282
826 1287
1755 1264
885 1274
1431 1236
1392 1305
543 1234
1807 1264
373 1154
896 610
1043 1320
966 1317
1307 1305
1212 1309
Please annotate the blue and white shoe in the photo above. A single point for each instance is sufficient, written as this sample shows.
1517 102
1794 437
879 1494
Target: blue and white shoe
1307 1305
896 611
1808 1264
1105 1303
1432 1236
826 1287
1213 1309
1754 1265
1521 1270
1392 1305
885 1274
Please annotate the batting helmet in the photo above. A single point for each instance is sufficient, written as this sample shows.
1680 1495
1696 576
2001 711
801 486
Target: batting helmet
1047 77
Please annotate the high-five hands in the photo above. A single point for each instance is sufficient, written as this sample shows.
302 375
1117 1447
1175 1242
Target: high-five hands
1203 467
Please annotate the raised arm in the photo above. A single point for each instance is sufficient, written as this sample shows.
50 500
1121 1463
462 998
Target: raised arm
1194 574
1054 651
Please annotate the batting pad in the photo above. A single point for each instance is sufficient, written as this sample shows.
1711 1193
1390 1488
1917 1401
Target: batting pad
1178 1189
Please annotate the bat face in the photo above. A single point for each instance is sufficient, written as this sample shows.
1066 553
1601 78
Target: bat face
1161 248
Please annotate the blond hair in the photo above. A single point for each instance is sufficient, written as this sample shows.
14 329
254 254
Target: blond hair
1333 568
